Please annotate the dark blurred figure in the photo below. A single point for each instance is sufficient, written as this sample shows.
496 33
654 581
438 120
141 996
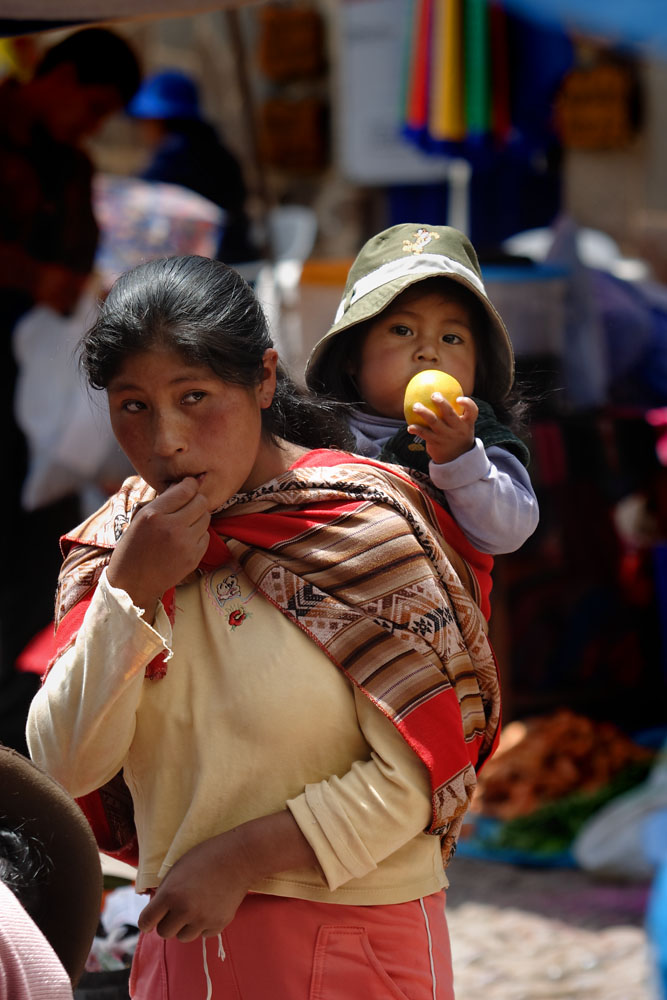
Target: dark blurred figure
48 237
188 151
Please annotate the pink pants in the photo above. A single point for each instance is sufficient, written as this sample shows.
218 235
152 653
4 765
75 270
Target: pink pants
292 949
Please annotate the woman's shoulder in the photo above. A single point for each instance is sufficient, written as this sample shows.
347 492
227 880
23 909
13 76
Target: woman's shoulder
103 528
88 547
332 458
349 472
322 457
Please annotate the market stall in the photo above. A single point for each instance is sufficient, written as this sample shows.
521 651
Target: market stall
576 618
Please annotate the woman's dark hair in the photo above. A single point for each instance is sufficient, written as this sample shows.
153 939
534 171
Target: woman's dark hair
346 347
206 312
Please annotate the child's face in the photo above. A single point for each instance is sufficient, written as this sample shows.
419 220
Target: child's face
416 332
174 419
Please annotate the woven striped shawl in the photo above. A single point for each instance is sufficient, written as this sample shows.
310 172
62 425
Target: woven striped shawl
357 556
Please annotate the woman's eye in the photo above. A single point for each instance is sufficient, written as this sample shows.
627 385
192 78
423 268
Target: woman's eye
194 396
133 405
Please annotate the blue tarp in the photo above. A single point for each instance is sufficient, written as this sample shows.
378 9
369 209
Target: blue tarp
632 22
624 22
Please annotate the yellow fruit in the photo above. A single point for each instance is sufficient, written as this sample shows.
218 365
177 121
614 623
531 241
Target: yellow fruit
420 388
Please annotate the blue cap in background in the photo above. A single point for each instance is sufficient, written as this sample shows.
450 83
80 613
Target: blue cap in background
169 94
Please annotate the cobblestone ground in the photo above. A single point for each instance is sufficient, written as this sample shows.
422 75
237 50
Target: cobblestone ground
546 934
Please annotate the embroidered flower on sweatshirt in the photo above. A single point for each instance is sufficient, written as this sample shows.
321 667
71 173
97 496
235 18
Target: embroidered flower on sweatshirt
237 617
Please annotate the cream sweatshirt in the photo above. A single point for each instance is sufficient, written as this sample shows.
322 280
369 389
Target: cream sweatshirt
250 717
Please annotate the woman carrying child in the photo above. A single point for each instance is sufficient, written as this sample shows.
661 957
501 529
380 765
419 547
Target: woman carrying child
415 300
273 646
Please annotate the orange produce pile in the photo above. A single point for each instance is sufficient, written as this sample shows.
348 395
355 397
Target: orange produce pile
542 759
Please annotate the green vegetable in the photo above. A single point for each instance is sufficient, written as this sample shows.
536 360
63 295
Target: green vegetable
552 828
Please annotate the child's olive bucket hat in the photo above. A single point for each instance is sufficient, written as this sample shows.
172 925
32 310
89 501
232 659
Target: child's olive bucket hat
392 261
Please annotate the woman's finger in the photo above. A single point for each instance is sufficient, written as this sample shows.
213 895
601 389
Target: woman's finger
198 512
151 915
176 496
190 932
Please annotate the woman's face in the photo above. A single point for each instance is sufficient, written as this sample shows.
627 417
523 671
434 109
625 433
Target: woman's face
175 419
417 331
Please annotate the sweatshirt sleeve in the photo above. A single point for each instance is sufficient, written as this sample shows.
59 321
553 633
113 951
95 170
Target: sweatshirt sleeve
81 722
490 496
354 821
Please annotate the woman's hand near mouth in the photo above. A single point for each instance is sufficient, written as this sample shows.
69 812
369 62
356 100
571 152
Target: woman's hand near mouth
164 542
198 476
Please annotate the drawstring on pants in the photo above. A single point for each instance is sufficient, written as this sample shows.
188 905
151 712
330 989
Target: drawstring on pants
221 955
430 945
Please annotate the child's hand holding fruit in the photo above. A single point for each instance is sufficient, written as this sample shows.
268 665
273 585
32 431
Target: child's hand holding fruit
437 411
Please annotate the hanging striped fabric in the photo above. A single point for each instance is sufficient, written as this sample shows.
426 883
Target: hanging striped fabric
455 96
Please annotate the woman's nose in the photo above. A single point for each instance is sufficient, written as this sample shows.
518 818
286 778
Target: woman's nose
168 436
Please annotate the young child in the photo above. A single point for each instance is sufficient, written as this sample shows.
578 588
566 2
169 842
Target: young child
414 300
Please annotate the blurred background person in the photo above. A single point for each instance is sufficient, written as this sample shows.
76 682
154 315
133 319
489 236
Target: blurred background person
48 238
187 150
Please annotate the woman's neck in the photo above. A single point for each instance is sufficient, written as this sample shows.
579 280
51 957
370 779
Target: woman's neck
293 452
275 457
